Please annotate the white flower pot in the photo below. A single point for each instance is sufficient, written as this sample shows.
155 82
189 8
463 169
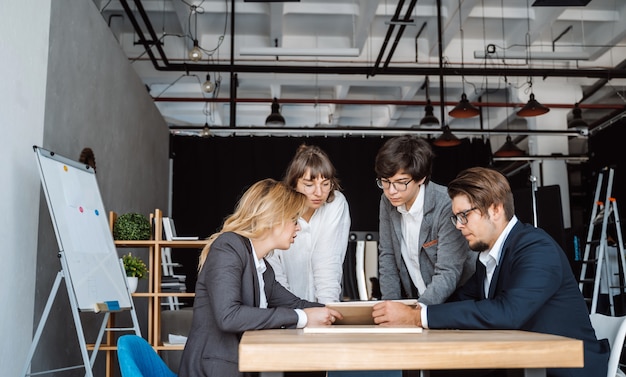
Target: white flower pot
132 283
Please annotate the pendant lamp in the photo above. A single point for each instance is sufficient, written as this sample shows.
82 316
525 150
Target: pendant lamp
509 149
275 119
464 109
429 119
447 138
532 108
577 120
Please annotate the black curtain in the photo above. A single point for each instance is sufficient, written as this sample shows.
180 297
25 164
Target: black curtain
210 174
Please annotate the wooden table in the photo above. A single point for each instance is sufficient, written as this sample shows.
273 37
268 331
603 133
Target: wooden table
293 350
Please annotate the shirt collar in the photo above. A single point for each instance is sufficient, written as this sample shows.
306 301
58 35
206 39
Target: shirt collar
258 263
417 207
496 250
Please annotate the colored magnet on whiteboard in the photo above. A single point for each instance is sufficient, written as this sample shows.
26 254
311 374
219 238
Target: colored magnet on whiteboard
113 305
96 212
80 209
65 167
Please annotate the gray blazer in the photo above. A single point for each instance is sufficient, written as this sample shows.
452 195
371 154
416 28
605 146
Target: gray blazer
445 258
227 304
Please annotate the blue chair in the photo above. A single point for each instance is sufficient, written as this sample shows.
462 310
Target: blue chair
137 358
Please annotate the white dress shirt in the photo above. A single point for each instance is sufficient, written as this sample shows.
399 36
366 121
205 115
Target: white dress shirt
411 246
312 268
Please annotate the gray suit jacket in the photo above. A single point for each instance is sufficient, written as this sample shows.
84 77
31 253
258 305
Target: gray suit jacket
227 304
445 258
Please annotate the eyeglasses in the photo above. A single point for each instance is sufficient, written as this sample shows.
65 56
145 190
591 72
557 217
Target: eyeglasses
461 217
398 186
309 187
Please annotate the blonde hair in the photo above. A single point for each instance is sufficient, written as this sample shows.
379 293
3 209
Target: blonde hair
264 205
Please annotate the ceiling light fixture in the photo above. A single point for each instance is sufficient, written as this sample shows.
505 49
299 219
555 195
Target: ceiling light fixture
509 149
464 109
275 118
447 138
429 119
532 108
195 54
577 120
208 86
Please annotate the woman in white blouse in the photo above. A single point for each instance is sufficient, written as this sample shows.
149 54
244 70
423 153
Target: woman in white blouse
312 268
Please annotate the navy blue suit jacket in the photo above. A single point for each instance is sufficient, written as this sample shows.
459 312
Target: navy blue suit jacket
533 289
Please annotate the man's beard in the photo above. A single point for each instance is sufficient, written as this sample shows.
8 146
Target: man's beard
479 246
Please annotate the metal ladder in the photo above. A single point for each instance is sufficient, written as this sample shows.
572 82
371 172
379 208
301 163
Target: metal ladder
602 213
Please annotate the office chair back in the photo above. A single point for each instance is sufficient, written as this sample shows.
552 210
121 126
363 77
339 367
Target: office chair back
613 329
137 358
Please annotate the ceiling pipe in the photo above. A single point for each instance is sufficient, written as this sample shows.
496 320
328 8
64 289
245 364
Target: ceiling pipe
380 102
386 40
163 64
407 17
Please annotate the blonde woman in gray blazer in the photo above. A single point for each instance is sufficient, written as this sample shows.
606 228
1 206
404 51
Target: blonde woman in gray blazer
421 254
236 290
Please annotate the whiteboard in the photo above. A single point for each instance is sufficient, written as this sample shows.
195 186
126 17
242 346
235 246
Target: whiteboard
82 231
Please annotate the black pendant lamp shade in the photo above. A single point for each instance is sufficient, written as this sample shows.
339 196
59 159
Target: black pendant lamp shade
577 120
509 149
446 139
532 108
464 109
429 120
275 119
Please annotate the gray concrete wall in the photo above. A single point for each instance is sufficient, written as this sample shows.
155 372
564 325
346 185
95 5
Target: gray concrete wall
24 40
93 99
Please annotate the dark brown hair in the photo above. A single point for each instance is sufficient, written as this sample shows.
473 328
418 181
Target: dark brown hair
407 153
316 160
483 187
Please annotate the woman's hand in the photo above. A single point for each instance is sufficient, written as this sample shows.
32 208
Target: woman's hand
321 316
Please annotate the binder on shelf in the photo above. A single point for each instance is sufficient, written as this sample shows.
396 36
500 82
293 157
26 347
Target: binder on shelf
170 231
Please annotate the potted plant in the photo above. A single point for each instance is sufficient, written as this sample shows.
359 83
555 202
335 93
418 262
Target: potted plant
135 269
131 226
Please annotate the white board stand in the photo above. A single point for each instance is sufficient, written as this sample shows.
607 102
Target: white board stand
100 283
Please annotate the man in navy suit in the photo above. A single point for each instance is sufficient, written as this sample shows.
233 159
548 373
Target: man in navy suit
523 280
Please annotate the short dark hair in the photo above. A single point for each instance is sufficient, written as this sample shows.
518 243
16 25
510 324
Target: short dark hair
483 187
407 153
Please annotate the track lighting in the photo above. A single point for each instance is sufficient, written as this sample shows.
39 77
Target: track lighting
195 54
275 119
208 86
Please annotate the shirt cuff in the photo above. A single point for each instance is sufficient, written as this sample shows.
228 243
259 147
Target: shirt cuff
302 318
424 315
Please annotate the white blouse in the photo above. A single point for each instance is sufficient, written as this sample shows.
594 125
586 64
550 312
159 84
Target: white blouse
312 267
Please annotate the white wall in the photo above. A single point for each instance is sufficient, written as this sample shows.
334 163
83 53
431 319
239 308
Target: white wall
24 28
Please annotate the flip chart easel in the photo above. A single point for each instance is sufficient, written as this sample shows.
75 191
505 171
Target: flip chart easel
94 276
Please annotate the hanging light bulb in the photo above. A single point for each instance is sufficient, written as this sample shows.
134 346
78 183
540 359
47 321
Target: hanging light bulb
195 54
532 108
577 120
208 86
509 149
447 138
205 132
464 109
275 119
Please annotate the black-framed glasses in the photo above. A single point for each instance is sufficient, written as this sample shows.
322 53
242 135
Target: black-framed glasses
461 217
398 186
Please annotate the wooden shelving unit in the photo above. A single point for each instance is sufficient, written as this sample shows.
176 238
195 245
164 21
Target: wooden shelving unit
154 294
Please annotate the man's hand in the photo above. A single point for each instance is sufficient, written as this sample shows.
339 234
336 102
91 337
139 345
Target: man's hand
321 316
389 313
